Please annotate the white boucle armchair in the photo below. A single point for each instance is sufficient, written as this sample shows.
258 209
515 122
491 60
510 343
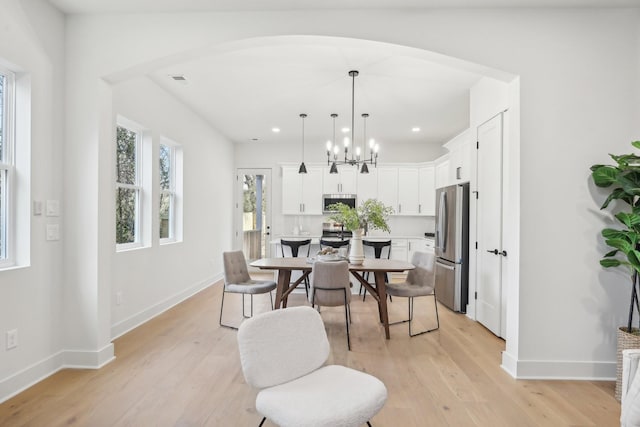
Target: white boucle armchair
283 353
630 413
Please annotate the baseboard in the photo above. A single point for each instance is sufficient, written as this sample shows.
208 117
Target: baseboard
558 369
65 359
509 364
132 322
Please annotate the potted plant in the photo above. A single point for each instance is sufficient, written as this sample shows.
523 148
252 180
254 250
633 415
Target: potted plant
623 180
370 215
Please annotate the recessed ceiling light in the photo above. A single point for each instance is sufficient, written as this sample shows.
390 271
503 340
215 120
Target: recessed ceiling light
345 130
275 130
415 129
179 78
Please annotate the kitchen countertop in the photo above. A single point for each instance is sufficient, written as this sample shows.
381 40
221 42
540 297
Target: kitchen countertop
315 239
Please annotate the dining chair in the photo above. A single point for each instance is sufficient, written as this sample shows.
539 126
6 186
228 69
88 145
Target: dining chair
420 282
283 353
238 281
295 248
330 287
333 243
380 248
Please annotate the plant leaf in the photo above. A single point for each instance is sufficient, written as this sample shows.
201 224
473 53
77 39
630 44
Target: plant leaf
610 262
610 254
604 176
636 144
621 244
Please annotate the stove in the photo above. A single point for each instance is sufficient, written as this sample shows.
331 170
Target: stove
335 230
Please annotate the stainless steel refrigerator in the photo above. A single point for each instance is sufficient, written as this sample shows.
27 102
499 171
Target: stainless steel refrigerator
452 246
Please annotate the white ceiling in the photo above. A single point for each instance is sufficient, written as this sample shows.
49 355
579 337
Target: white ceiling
244 91
117 6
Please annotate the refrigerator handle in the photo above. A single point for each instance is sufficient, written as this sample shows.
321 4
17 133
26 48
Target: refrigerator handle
446 266
441 232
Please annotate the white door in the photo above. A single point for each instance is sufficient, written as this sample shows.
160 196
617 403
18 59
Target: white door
253 209
489 225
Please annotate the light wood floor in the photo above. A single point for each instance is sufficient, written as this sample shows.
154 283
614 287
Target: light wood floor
182 369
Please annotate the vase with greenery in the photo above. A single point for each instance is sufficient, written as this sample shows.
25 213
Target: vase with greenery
623 180
370 215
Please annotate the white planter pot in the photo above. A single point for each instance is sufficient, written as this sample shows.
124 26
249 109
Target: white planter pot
356 253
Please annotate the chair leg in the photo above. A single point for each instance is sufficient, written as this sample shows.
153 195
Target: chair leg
221 309
265 418
347 318
368 423
271 298
411 316
410 304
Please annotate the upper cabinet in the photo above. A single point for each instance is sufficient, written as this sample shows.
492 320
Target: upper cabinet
367 185
442 171
460 157
301 193
408 191
343 182
427 178
388 186
455 167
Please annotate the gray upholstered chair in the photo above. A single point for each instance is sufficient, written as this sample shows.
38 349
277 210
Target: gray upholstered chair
420 282
238 281
282 352
330 287
630 392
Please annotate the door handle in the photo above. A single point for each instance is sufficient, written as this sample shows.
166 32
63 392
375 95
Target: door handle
495 251
503 253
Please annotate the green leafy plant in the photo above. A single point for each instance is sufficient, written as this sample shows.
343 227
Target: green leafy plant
370 215
623 179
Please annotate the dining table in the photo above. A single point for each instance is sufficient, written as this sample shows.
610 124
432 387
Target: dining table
379 268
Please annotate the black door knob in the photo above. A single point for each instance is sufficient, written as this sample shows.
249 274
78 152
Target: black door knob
503 253
495 251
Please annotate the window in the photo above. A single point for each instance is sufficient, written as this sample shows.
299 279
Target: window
167 193
170 191
128 187
7 166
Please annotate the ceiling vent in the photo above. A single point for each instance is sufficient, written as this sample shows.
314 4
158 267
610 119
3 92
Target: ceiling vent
179 78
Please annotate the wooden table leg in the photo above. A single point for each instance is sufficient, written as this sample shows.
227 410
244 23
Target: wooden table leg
283 282
382 301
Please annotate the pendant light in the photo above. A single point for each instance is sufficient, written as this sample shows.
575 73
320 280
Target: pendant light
303 168
332 150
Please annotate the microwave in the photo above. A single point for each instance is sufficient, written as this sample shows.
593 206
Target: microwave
330 199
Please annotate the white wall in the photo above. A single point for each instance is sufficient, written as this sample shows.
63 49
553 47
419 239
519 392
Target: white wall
579 94
153 278
32 43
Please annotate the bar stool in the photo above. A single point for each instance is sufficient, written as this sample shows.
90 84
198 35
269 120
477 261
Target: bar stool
333 243
293 250
378 247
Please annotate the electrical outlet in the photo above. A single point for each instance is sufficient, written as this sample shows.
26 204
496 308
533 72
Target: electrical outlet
12 339
118 298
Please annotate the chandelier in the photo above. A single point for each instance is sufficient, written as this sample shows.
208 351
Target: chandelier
357 156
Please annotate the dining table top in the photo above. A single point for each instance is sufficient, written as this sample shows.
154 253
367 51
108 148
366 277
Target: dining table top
301 263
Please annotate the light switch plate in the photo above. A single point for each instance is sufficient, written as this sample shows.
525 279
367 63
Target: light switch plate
53 232
53 208
37 207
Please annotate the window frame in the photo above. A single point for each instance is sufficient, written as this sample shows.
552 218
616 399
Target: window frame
138 187
8 169
171 191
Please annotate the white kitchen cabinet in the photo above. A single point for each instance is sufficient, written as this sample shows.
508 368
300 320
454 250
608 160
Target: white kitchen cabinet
399 251
459 158
388 186
442 171
343 182
427 179
408 191
367 185
419 245
301 193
